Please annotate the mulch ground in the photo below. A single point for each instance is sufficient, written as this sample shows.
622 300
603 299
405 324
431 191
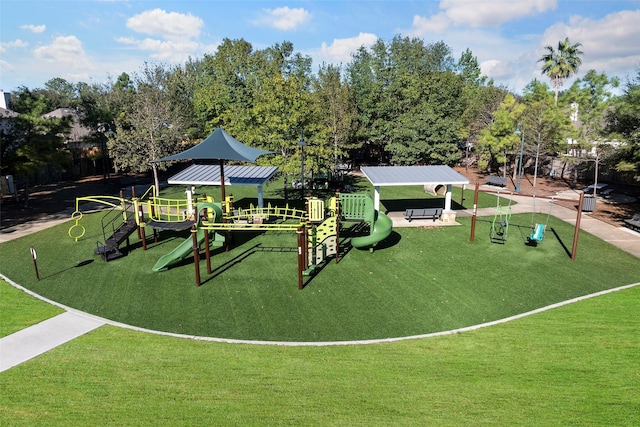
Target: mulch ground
53 198
613 209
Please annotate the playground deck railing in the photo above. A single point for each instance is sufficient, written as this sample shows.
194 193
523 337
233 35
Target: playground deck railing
253 212
167 210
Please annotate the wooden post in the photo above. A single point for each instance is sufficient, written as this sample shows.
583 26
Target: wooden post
576 232
143 232
475 212
196 254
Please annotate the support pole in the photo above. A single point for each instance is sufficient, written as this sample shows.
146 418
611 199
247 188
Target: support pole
196 254
300 233
576 232
475 212
337 213
207 250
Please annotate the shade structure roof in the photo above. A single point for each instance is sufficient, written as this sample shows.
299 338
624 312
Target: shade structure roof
381 176
221 146
233 175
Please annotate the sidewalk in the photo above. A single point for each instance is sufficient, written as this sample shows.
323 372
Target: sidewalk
33 341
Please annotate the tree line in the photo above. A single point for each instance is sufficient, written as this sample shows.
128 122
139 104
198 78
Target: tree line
400 102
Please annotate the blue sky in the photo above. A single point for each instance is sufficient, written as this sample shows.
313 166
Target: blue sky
92 40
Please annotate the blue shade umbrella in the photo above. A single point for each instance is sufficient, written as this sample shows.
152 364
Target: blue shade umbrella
219 146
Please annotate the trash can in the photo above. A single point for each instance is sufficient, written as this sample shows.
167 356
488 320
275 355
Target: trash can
589 204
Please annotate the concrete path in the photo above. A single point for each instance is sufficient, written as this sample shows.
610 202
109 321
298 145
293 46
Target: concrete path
33 341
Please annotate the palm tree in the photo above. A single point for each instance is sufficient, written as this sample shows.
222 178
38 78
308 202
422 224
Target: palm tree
562 63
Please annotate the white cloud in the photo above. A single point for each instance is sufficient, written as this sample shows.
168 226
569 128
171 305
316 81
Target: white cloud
176 34
609 44
284 18
34 28
341 49
438 24
65 50
480 14
167 25
17 43
6 67
477 14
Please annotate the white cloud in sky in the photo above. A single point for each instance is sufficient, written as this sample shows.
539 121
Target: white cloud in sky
341 49
65 57
284 18
438 23
63 49
176 34
17 43
608 44
479 14
34 28
168 25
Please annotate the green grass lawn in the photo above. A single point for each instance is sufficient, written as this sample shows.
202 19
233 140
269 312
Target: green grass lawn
421 280
575 365
20 311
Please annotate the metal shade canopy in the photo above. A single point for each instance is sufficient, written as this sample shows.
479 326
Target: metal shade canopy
219 146
386 176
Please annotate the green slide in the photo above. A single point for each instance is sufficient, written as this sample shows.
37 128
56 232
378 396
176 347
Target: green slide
186 248
380 230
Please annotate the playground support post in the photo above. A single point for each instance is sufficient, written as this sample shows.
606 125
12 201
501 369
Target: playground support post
576 233
301 250
475 212
207 251
196 254
337 214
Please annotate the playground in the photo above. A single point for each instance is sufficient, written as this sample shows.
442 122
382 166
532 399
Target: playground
417 280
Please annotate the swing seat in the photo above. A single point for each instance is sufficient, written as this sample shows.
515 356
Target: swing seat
538 233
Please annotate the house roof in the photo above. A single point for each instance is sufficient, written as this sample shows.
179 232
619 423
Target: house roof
381 176
233 174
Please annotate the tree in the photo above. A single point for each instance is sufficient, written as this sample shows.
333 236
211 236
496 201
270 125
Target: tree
498 140
546 124
589 97
334 114
34 142
409 101
561 63
151 129
624 122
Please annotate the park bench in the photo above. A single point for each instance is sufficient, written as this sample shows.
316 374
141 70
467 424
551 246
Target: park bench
496 180
430 213
633 223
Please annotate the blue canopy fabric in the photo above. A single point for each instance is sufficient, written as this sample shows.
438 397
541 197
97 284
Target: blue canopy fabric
221 146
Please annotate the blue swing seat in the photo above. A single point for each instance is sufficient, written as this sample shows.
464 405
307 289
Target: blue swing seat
538 233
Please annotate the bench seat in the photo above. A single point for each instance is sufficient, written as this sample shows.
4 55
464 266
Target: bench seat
633 223
496 180
428 213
